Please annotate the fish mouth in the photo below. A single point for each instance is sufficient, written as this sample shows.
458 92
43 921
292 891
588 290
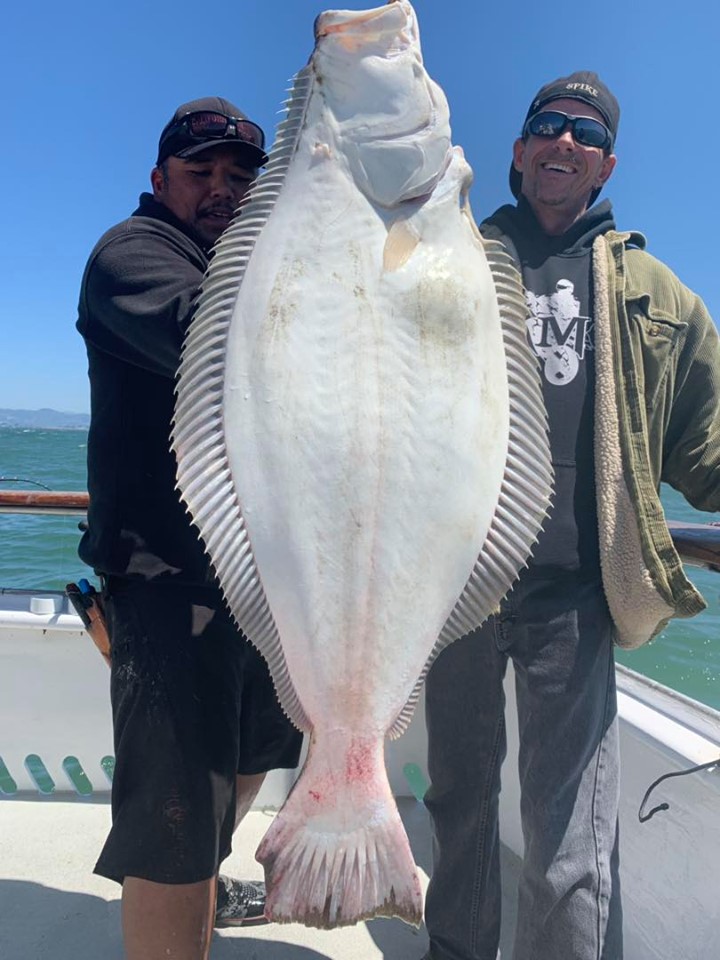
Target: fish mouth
395 19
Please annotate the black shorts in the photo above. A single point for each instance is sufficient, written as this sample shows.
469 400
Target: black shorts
193 705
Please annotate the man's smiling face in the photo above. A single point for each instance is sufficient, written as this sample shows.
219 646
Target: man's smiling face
558 174
204 190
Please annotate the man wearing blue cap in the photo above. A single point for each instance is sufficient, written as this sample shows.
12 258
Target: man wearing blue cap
630 367
196 721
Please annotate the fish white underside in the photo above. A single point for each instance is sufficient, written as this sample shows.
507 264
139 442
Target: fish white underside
361 442
369 420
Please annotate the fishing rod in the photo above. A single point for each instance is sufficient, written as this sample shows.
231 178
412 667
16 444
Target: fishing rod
23 480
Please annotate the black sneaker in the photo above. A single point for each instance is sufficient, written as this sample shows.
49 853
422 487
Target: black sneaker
240 903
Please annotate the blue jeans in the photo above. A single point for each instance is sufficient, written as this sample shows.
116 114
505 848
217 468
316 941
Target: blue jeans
560 637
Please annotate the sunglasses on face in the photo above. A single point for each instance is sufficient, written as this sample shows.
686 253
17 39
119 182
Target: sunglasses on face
585 130
216 126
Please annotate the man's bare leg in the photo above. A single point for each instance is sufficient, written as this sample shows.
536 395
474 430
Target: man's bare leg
175 921
168 921
248 787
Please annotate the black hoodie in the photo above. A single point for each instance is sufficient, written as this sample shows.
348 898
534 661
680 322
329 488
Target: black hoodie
136 302
557 276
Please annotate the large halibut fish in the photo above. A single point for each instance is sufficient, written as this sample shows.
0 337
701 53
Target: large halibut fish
361 441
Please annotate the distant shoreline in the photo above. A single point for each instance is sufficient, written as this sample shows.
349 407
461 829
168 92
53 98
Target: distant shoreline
43 419
77 428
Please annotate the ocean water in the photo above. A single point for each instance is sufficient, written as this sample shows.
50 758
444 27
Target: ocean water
41 552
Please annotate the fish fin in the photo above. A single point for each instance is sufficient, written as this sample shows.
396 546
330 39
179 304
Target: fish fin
198 438
526 491
466 211
334 855
400 244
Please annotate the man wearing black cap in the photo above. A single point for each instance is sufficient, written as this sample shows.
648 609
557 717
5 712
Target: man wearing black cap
630 366
196 721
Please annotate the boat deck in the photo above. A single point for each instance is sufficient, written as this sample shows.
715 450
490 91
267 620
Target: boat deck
56 736
55 908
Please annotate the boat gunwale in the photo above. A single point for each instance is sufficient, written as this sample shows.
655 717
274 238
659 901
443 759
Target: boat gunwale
694 715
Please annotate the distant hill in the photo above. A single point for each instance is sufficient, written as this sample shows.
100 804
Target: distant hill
44 419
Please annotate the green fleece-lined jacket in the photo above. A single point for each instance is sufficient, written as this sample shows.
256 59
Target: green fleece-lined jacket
657 418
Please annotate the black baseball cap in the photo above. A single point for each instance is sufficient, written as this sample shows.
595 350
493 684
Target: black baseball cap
200 124
583 85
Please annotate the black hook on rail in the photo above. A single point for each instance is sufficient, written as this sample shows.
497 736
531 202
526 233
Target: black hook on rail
644 817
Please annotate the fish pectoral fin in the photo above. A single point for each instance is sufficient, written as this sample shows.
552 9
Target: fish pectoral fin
402 239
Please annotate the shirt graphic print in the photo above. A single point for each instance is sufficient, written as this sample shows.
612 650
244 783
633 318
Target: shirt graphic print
559 332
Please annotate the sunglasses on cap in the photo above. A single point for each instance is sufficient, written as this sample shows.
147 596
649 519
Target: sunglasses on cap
202 126
585 130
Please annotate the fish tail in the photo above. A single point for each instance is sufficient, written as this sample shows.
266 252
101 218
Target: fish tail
338 853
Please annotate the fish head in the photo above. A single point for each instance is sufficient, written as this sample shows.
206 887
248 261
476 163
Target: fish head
388 119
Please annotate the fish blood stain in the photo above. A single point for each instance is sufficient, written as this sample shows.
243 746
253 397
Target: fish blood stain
360 762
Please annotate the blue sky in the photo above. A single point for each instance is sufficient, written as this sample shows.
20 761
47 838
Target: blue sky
88 86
